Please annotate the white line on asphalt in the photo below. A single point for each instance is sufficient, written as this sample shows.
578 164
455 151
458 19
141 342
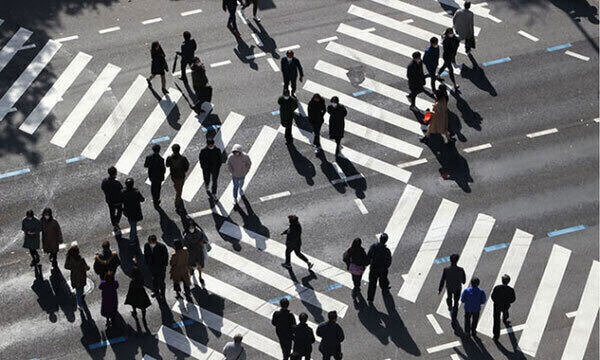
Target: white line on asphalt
293 47
275 196
26 47
68 38
477 148
125 231
13 45
376 40
273 64
255 56
178 73
371 29
242 17
187 345
221 63
361 206
529 36
412 163
339 171
454 357
62 246
347 179
333 38
151 21
257 40
436 326
542 133
108 30
576 55
449 345
513 329
191 12
571 314
597 120
408 21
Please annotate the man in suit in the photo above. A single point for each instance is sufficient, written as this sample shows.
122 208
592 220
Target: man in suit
416 78
453 276
290 68
502 296
157 259
156 172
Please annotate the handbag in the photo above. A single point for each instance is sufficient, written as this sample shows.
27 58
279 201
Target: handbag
356 269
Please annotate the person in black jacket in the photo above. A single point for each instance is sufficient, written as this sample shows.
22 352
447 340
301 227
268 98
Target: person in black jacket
502 296
132 200
303 338
231 6
188 48
293 242
316 111
179 165
156 172
157 259
454 277
159 66
380 260
290 68
112 194
284 323
450 44
356 260
107 260
416 78
211 159
337 118
200 83
332 336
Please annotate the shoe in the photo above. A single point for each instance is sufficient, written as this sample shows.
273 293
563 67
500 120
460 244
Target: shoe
242 192
286 265
153 295
496 337
237 33
317 150
149 83
256 18
310 265
32 263
165 91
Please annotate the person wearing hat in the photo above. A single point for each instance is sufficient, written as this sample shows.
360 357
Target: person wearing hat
210 161
380 260
179 165
239 164
290 68
156 172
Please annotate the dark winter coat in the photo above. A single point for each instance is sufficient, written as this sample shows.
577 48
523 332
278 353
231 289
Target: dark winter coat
194 242
316 111
33 225
450 44
337 117
136 294
230 5
503 296
159 63
293 237
157 259
332 335
356 256
179 165
110 300
105 262
284 322
112 190
180 271
199 79
454 277
211 159
156 167
286 110
431 58
303 339
132 200
415 75
51 235
380 257
78 268
188 47
290 69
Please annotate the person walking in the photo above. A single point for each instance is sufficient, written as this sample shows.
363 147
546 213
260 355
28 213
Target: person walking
188 48
380 260
293 242
316 111
463 21
239 164
179 165
284 322
431 59
110 300
332 336
136 294
51 235
416 79
454 277
287 106
337 119
132 200
31 228
303 338
79 268
472 298
254 9
112 195
202 91
450 44
234 350
290 68
106 261
211 159
356 260
157 259
159 66
193 240
156 172
180 270
438 124
502 296
231 6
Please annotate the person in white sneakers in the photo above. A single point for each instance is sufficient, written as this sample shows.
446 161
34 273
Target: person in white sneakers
234 350
239 164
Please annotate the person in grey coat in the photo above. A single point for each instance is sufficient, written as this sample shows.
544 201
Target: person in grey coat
337 118
31 227
239 164
463 24
454 277
332 336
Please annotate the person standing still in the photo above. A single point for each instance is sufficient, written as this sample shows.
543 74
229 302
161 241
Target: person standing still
502 296
239 164
416 79
287 106
79 268
179 165
254 9
332 336
337 119
51 235
303 338
112 194
132 200
31 228
380 260
234 350
231 6
180 270
463 21
472 298
316 111
454 277
188 48
211 159
157 259
356 260
159 66
293 242
284 322
156 172
290 68
450 44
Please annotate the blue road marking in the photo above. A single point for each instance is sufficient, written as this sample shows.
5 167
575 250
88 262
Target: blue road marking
362 92
14 173
277 299
75 159
276 112
566 231
107 342
334 286
495 247
497 61
445 73
160 139
442 260
211 127
559 47
182 323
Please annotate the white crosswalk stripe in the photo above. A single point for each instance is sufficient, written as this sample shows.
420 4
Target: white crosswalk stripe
13 45
187 345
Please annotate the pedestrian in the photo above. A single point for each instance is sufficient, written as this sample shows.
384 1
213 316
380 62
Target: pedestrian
337 118
211 159
450 45
110 300
231 6
31 227
293 242
193 240
239 164
202 90
356 260
284 322
502 296
303 338
159 66
380 260
332 336
295 356
431 59
132 200
416 79
463 21
254 9
188 48
156 172
112 195
136 294
287 106
454 277
51 235
290 68
472 298
438 123
106 261
79 268
316 111
157 259
179 165
180 270
234 350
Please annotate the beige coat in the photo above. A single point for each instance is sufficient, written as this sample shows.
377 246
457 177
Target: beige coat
439 118
179 266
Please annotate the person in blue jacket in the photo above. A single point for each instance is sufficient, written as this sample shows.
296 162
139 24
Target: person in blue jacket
431 59
472 298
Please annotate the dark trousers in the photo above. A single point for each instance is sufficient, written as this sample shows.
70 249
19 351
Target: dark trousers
115 211
288 134
295 250
155 186
497 311
254 6
337 356
453 294
431 73
286 346
338 145
209 174
471 320
469 44
356 280
52 259
34 255
317 134
374 276
304 354
287 82
231 23
178 185
447 64
177 288
184 64
413 94
158 282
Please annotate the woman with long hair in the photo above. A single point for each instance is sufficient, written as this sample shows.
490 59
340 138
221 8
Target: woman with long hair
159 65
79 268
356 261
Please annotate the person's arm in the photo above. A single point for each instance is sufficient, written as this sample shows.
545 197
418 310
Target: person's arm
186 164
274 318
462 297
300 69
341 335
483 297
59 231
512 298
140 197
494 295
146 162
280 101
295 104
463 277
442 280
224 5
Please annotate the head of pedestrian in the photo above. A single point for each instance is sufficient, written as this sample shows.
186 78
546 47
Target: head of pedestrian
191 227
332 316
129 183
210 143
434 41
112 172
175 148
156 148
289 54
303 317
197 61
467 5
475 282
152 241
317 97
177 245
29 214
454 259
47 213
416 56
155 47
284 303
286 94
293 219
383 238
237 149
449 32
505 279
356 243
335 101
106 246
187 36
73 250
237 338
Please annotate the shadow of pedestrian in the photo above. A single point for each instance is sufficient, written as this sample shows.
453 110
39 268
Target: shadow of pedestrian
62 293
477 76
90 334
455 126
269 45
454 165
359 185
577 10
170 230
516 354
303 166
212 303
314 306
473 347
398 332
243 51
329 171
43 290
251 220
472 118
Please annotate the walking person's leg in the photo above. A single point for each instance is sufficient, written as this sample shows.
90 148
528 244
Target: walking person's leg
373 276
155 190
467 322
288 134
496 326
155 285
505 316
112 211
35 258
286 347
206 177
474 324
317 136
163 81
288 252
161 283
255 9
301 256
215 178
132 231
456 296
338 146
286 84
79 296
236 186
356 281
384 282
293 83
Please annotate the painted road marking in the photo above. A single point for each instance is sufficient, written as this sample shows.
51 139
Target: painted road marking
191 12
576 55
242 17
221 63
597 120
27 47
183 323
447 346
477 148
125 231
84 106
559 47
104 343
529 36
13 45
455 357
362 92
429 249
255 56
186 345
14 173
542 133
151 21
159 140
361 206
257 40
75 159
566 231
273 64
572 314
68 38
544 299
275 196
333 38
108 30
436 326
376 40
412 163
201 213
495 247
497 61
293 47
347 179
54 95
